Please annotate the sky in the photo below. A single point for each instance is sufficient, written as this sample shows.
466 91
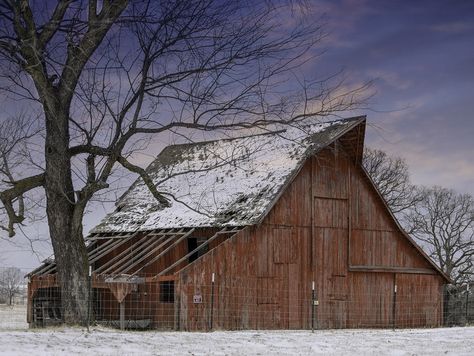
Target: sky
420 56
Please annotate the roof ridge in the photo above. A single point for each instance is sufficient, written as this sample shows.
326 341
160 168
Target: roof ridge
223 139
352 118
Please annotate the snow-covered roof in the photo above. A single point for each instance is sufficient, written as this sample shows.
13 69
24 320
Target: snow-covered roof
230 182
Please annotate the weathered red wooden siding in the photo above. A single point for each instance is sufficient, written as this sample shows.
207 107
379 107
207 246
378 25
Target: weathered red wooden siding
330 227
144 303
418 300
373 231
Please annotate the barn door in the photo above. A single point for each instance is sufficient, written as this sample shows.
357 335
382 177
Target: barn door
330 242
285 258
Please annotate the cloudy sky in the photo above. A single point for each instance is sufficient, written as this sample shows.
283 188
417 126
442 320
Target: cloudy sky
420 55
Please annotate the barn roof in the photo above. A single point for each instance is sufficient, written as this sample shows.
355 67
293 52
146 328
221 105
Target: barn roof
229 182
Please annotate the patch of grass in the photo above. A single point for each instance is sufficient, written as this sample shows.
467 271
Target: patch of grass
13 317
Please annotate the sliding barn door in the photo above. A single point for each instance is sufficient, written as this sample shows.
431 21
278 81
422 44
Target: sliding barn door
330 233
330 171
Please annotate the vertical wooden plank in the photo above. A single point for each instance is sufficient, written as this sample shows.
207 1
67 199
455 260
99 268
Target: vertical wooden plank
284 245
262 252
294 303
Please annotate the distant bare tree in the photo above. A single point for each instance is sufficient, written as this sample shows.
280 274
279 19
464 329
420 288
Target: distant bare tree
444 224
10 283
105 75
391 176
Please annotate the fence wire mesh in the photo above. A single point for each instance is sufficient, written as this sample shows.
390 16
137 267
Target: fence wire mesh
174 305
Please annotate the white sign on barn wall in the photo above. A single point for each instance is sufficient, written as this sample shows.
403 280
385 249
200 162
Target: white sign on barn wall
197 299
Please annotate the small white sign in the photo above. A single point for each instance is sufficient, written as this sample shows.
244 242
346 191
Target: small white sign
197 299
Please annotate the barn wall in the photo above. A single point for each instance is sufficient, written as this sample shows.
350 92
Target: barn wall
330 227
144 303
373 231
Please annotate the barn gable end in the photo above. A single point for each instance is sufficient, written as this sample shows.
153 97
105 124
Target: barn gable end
329 226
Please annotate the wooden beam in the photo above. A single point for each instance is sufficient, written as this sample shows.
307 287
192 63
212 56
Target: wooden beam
166 249
142 254
170 277
93 255
116 244
204 244
121 235
118 259
386 269
45 267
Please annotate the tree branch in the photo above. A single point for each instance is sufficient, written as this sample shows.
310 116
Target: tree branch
146 179
8 197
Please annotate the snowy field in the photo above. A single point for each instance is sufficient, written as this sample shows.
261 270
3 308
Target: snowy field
16 340
453 341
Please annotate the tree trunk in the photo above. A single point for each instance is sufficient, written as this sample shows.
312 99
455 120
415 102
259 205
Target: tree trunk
65 231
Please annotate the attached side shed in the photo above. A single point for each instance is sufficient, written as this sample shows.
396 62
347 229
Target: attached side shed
310 217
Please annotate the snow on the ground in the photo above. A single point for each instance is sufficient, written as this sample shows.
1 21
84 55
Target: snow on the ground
16 339
100 341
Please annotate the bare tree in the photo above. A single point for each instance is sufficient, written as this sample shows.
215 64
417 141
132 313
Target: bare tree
10 283
391 176
444 224
105 75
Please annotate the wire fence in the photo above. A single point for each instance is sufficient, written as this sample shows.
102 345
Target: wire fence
459 305
231 305
13 317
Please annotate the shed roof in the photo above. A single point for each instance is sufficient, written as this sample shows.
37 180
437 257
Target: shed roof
229 182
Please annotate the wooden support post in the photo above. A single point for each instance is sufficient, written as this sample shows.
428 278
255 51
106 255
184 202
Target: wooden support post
177 304
212 301
122 315
29 301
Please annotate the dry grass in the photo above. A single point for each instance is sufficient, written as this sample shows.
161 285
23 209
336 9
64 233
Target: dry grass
13 317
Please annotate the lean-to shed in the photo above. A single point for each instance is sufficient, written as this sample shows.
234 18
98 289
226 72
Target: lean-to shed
254 224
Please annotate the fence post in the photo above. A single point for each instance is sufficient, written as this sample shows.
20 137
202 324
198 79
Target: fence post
394 323
178 306
212 301
467 303
314 303
122 315
89 302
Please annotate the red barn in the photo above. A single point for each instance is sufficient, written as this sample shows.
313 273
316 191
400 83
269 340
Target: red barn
253 225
